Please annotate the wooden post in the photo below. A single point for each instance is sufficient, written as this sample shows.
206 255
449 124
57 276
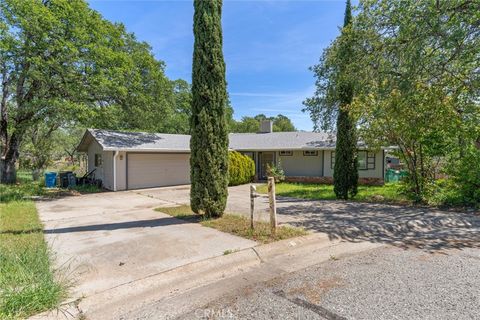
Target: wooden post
253 190
273 204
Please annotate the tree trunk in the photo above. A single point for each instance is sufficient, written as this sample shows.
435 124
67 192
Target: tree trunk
35 174
8 168
9 172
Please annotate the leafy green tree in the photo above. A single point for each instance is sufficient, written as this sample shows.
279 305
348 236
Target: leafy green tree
66 140
61 63
38 148
415 74
209 131
281 123
246 124
333 98
420 81
180 122
51 70
151 101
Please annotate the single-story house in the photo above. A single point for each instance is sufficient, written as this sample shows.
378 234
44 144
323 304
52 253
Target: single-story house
134 160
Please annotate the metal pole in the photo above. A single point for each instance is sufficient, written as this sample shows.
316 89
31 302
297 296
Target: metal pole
253 190
273 204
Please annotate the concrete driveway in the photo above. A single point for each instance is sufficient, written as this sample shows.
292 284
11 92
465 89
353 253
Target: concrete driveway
108 239
238 200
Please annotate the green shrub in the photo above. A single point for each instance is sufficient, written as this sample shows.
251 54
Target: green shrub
444 192
276 171
464 183
241 168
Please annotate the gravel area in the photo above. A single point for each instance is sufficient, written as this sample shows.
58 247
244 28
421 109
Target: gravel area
385 283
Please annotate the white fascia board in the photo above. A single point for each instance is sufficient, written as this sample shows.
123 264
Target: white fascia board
164 150
283 149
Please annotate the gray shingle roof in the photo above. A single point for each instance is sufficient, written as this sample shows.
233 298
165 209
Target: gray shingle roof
137 141
282 141
141 141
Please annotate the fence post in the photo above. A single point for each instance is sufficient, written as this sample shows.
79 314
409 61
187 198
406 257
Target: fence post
253 190
273 204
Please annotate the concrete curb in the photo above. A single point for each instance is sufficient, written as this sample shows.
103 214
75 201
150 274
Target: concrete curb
290 254
308 251
194 275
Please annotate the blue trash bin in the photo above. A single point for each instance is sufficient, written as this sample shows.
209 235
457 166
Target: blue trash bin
50 179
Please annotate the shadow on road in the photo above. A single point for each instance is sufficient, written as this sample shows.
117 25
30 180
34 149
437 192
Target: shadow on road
404 227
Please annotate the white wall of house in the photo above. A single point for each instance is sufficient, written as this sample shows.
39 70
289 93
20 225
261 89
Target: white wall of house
108 169
327 168
295 165
378 171
121 170
95 148
104 171
371 173
300 165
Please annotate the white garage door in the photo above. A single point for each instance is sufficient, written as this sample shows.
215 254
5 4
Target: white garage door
146 170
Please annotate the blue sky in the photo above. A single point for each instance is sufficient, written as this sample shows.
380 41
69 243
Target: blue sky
268 46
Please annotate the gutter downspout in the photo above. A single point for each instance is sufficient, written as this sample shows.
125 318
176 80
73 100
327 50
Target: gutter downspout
115 170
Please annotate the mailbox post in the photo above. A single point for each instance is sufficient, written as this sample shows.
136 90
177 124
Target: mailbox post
273 204
253 195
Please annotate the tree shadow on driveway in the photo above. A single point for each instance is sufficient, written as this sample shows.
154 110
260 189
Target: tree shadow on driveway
405 227
151 223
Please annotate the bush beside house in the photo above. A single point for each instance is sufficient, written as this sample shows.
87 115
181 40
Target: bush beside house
241 168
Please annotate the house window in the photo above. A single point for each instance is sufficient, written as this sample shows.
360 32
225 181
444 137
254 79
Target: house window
310 153
286 153
362 160
371 160
366 160
98 160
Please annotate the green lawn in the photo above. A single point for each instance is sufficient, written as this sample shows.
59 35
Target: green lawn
26 189
27 281
236 225
388 193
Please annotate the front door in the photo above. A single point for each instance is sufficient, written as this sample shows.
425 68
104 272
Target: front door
266 158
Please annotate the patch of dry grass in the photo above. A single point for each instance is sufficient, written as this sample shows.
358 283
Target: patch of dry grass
236 225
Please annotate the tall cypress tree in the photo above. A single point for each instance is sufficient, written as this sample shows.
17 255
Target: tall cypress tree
345 174
209 133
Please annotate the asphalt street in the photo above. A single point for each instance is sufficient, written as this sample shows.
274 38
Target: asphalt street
384 283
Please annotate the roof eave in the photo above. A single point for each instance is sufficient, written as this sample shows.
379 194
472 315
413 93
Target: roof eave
166 150
83 145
